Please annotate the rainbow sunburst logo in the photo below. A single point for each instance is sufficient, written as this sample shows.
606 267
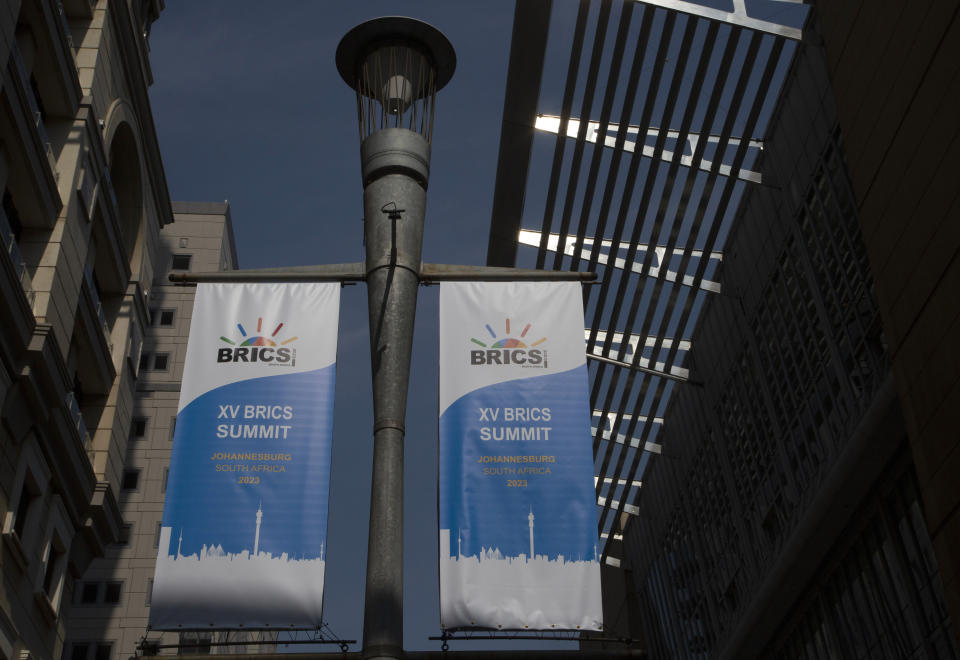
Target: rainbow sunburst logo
508 349
270 349
259 339
508 341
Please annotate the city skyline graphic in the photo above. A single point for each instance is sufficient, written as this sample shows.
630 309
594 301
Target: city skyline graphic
526 590
189 589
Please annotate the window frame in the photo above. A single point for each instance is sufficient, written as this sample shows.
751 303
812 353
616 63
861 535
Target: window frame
113 586
160 356
82 593
31 479
56 537
135 474
133 425
180 256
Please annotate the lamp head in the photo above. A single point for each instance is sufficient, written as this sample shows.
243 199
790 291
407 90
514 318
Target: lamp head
395 65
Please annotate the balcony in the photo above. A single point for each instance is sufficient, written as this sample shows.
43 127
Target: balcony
36 117
81 426
28 144
97 304
54 65
95 359
13 250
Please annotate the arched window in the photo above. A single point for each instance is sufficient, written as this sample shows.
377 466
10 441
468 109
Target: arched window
128 186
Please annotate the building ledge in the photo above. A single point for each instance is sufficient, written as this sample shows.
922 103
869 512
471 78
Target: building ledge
45 606
15 548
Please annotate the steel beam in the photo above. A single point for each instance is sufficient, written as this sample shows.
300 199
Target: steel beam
737 17
533 238
551 124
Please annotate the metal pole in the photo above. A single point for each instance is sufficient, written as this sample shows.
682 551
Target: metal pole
395 165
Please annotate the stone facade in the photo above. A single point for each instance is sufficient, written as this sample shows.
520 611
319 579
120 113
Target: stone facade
84 203
111 603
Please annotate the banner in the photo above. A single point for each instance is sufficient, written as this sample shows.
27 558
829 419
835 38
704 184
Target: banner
245 515
517 505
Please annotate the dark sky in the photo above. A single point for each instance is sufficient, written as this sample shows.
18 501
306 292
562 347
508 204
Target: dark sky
250 109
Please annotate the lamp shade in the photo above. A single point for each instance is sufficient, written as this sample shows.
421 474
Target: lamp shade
396 65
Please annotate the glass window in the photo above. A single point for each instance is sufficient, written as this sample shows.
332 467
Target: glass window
23 509
130 479
79 652
103 652
181 262
166 317
160 361
166 474
138 427
145 360
111 594
89 592
125 530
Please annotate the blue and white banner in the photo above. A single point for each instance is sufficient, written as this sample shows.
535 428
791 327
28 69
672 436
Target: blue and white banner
517 505
245 517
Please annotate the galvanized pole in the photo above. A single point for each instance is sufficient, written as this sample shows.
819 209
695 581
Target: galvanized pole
395 163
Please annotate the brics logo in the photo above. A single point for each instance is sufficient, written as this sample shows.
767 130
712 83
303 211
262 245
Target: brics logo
258 348
509 350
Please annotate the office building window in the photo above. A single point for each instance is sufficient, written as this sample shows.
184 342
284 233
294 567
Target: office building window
173 427
166 475
138 428
28 496
54 557
156 535
21 520
154 361
131 478
125 530
53 573
181 262
165 318
89 593
111 593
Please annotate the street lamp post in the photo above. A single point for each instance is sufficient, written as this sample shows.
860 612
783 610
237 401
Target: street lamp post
396 65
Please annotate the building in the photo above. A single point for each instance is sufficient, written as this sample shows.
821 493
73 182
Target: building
84 200
900 123
86 404
111 602
768 203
